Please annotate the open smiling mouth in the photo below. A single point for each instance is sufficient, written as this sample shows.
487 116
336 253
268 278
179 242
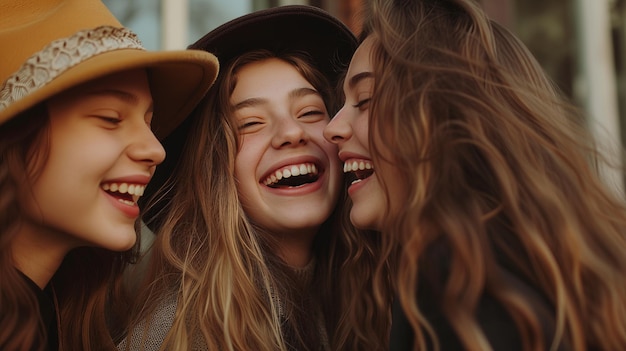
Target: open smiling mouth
125 193
356 171
293 176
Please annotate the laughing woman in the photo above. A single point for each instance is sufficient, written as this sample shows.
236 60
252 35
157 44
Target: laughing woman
252 252
465 156
78 95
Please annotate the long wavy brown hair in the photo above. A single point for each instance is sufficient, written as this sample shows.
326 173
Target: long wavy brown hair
224 271
87 286
501 180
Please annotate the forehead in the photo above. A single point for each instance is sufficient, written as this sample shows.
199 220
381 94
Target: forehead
134 78
130 83
361 61
267 76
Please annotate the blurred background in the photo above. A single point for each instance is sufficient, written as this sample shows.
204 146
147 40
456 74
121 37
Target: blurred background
580 43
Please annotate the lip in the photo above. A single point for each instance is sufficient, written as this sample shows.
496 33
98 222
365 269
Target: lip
353 188
347 155
131 211
128 210
135 179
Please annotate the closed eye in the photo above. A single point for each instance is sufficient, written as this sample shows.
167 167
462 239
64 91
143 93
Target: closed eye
249 124
363 104
111 120
313 113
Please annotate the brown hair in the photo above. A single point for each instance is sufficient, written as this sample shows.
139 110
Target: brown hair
501 182
224 270
83 323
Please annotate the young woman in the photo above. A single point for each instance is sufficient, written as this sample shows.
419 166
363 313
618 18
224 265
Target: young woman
463 154
252 250
76 151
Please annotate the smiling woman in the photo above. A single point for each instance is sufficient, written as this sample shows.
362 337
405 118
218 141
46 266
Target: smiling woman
280 131
485 179
253 251
109 117
80 104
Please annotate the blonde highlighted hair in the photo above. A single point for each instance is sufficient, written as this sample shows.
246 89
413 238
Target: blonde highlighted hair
224 271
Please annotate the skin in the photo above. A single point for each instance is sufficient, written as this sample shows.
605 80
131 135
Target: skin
281 119
99 138
349 130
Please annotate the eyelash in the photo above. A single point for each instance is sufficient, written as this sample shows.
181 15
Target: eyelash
112 120
248 124
361 103
312 113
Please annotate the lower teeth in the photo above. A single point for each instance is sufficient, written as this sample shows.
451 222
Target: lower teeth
126 202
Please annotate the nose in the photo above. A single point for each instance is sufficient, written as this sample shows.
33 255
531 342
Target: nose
289 132
145 147
338 130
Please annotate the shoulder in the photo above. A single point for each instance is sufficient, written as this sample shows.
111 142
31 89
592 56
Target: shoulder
491 315
150 333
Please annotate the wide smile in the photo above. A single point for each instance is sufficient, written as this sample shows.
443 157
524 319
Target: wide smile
292 176
126 193
357 170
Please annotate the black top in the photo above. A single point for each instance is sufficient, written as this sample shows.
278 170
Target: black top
495 322
498 327
47 312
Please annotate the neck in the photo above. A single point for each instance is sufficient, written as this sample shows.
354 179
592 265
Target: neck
296 248
37 254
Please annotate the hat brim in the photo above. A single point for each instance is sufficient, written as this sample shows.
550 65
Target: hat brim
178 80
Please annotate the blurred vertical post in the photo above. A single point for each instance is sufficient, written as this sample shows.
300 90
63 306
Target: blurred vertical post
596 84
174 17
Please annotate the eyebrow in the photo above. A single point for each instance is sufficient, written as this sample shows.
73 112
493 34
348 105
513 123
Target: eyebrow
355 79
120 94
296 93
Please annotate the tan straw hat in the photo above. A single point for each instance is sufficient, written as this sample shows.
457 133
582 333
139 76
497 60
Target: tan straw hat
49 46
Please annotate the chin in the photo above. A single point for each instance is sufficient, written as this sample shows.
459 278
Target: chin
364 222
123 243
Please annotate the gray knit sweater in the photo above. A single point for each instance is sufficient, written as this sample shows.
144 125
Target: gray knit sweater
153 334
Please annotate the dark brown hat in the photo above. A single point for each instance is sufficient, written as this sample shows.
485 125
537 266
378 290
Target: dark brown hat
295 27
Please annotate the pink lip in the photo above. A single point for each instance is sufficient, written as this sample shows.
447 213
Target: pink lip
299 191
346 155
131 211
134 179
353 188
128 210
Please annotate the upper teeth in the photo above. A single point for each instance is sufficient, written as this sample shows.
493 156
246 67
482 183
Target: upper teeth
294 170
123 188
357 166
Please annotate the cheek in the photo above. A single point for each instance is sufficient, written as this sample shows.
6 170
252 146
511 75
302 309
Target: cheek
361 130
396 186
245 154
246 161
